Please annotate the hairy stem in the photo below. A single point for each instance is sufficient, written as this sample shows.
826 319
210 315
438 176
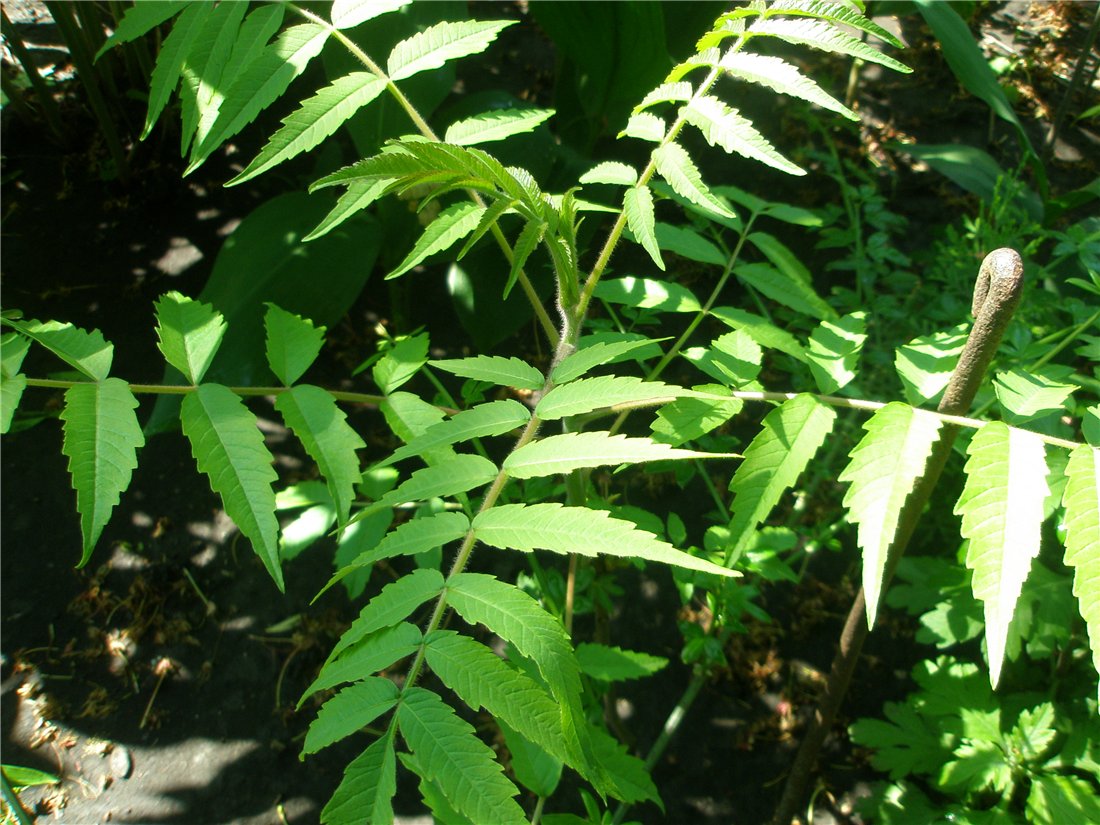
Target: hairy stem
996 295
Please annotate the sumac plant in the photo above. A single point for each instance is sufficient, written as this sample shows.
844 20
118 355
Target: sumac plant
479 476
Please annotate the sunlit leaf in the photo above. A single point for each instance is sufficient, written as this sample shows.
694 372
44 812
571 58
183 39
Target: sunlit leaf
495 125
1082 502
563 529
437 44
588 394
676 167
561 454
885 467
638 205
1002 512
317 118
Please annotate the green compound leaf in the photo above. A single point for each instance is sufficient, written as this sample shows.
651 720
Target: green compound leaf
365 794
784 289
451 225
260 83
836 12
229 449
450 754
417 536
496 369
489 219
86 351
647 293
351 709
432 795
834 351
517 618
188 334
202 70
595 354
613 664
587 394
675 92
906 742
483 679
140 19
369 655
725 127
293 343
562 529
409 417
322 427
400 363
782 77
1002 512
789 439
360 195
1082 502
732 359
632 780
820 35
102 436
347 14
761 331
560 454
1025 395
316 119
1056 799
174 53
492 418
644 126
434 46
447 478
395 603
925 364
249 42
688 243
676 167
534 768
529 238
613 172
686 419
11 391
885 467
13 348
495 125
638 205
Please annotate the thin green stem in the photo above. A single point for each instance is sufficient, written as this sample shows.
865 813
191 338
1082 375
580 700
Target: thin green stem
537 815
672 724
1065 342
180 389
714 494
744 395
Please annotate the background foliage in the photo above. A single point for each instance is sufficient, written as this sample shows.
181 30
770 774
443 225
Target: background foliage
815 350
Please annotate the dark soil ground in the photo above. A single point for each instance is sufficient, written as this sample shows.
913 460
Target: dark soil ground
159 682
